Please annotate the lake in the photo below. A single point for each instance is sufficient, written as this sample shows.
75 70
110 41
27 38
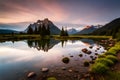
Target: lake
18 58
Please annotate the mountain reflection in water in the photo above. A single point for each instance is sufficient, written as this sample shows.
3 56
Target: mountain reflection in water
18 58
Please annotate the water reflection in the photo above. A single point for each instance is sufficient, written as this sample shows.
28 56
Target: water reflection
42 44
20 57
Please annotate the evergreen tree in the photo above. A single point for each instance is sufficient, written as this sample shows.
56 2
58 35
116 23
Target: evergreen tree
48 30
40 29
43 31
62 32
30 30
35 31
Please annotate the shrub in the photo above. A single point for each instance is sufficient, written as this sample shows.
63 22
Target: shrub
115 48
101 56
111 57
99 68
105 61
110 53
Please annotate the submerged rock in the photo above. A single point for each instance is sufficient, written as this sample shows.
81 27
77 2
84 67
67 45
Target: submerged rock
45 69
80 55
65 60
86 63
84 50
71 56
96 53
70 70
91 47
63 68
31 74
88 52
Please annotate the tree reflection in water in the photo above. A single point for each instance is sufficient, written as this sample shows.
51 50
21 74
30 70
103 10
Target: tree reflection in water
42 44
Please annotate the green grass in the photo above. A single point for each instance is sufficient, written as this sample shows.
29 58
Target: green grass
105 61
99 68
111 57
81 36
51 78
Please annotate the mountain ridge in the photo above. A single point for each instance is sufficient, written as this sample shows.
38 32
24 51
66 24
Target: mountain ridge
53 28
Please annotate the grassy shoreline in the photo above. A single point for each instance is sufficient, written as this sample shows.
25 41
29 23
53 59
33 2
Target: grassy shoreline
57 37
102 68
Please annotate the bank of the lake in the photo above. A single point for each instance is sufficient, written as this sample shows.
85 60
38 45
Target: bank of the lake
106 66
34 36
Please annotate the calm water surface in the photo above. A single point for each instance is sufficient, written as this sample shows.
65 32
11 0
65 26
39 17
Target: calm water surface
19 58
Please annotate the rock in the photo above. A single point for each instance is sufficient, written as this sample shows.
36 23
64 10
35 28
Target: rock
70 70
110 45
84 50
83 79
63 68
71 56
91 78
91 56
88 52
76 71
92 62
98 48
96 53
91 47
80 55
45 69
95 50
65 60
31 74
86 63
87 75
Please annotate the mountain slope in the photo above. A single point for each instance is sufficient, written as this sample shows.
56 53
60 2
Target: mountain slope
72 31
7 31
53 29
87 30
109 29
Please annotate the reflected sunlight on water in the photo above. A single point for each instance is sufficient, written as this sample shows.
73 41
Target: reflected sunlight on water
24 56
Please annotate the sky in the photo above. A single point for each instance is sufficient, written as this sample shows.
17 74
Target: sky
88 12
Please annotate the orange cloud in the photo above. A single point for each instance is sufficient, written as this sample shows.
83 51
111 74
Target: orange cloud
43 9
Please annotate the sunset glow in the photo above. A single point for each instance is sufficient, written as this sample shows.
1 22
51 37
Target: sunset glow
72 11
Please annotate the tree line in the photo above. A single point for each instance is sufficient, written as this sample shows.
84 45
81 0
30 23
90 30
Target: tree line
63 32
41 29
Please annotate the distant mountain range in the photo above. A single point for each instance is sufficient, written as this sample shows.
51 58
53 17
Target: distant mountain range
72 31
53 29
109 29
16 26
112 28
88 29
7 31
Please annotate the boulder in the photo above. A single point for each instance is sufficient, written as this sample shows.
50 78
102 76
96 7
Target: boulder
45 70
31 74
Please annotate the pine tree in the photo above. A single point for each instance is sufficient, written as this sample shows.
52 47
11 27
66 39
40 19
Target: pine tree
43 30
35 31
48 30
66 33
62 32
30 30
40 30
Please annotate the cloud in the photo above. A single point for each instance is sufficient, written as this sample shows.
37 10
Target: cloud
63 11
29 10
